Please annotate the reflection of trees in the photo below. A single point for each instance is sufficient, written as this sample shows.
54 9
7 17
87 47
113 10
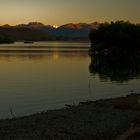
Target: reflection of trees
115 68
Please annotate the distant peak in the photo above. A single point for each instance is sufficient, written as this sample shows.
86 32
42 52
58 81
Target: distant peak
6 25
87 26
35 24
69 25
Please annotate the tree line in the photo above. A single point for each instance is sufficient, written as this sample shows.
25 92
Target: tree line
116 37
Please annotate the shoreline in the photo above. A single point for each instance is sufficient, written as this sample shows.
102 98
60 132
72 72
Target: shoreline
104 119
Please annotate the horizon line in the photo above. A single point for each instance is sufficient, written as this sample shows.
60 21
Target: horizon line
67 23
48 24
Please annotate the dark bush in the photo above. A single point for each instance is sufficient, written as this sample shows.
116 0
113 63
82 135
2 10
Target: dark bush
116 37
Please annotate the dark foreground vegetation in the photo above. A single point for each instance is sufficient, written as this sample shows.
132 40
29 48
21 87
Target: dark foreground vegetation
116 37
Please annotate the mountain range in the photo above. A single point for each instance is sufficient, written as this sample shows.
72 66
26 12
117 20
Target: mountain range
37 31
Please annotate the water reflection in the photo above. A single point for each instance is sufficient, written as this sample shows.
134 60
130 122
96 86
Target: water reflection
41 50
40 56
33 82
115 68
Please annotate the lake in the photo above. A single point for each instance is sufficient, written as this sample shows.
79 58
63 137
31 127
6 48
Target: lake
47 75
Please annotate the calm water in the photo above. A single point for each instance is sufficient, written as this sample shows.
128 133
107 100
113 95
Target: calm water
31 82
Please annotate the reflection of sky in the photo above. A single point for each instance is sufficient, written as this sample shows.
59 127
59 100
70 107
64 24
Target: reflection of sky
31 82
53 50
41 56
64 11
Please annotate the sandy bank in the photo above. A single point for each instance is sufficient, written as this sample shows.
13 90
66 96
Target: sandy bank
98 120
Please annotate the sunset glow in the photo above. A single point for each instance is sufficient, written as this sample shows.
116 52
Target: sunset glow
58 12
55 26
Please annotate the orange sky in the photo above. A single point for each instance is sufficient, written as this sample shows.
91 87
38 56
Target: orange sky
59 12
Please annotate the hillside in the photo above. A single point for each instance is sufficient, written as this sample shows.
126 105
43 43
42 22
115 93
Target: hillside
21 34
36 31
68 31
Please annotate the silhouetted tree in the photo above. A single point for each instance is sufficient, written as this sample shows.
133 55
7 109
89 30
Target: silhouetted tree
116 37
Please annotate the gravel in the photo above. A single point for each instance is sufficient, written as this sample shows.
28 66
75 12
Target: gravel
91 120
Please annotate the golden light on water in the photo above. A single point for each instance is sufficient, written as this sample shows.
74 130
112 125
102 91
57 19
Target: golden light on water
56 56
